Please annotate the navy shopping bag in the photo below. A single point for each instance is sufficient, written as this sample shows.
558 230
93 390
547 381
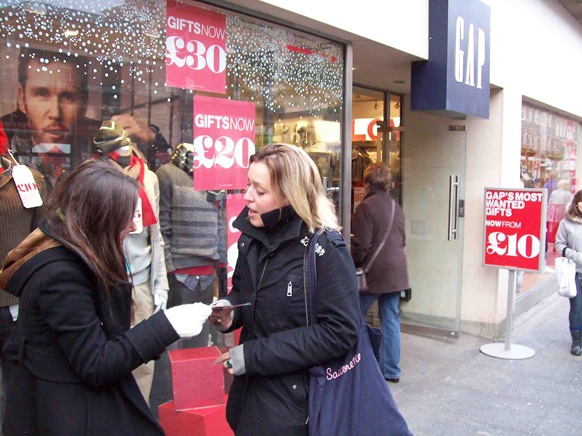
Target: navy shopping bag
349 396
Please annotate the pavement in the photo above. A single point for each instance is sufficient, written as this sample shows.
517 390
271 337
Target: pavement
449 387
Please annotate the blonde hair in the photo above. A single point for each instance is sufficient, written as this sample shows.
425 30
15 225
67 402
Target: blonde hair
295 178
564 184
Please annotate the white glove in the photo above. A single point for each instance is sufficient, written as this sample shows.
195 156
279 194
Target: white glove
188 319
160 302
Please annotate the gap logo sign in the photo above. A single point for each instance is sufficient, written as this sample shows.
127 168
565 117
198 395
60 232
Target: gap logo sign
455 79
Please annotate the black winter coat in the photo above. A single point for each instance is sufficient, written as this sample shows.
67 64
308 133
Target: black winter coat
71 358
279 348
389 271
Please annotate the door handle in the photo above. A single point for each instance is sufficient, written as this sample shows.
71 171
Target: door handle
453 232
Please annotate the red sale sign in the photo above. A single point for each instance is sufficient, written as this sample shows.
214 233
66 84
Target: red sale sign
195 48
234 205
224 134
515 230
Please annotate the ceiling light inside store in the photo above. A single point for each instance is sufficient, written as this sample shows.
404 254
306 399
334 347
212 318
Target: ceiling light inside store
35 8
152 32
376 107
71 32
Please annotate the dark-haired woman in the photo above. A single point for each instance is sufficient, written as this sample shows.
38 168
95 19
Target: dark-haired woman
71 357
569 244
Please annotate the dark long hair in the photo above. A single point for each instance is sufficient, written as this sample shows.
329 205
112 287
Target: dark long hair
89 211
573 208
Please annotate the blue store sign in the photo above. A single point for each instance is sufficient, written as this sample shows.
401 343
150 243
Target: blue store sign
455 79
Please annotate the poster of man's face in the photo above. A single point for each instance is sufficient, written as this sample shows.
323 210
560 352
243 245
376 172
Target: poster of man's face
52 98
49 129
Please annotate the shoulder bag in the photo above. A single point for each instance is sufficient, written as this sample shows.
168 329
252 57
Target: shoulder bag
361 272
348 395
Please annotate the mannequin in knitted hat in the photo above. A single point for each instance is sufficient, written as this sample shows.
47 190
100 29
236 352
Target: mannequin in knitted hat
17 222
144 248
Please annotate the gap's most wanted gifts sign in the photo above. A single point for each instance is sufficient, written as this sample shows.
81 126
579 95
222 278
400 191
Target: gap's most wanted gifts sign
514 236
195 48
224 133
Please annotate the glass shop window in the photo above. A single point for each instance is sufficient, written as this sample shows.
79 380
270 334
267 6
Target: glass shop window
68 65
549 149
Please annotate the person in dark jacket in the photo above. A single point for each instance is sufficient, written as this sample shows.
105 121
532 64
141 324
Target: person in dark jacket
286 204
71 356
388 274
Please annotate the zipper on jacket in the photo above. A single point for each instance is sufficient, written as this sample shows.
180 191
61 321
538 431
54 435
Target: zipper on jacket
290 289
262 274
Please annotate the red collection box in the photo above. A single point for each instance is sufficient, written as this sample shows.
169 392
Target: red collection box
196 382
204 421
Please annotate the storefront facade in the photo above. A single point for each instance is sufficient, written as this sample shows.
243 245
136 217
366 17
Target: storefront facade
337 84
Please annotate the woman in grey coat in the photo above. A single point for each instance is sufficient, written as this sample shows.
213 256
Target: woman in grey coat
388 274
569 244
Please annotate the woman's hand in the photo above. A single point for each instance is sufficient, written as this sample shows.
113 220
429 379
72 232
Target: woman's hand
225 360
221 315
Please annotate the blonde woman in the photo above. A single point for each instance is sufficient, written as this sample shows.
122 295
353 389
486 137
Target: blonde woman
285 204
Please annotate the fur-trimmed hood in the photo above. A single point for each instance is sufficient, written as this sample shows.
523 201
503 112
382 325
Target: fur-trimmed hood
34 243
574 218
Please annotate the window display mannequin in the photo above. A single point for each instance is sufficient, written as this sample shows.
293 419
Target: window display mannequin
144 248
194 236
17 222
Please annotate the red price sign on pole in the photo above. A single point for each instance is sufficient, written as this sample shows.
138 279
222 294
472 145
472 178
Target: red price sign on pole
515 231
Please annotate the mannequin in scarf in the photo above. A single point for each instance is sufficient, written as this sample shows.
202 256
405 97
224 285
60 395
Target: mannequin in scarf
17 222
144 249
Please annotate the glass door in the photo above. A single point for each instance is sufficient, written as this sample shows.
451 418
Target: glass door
433 177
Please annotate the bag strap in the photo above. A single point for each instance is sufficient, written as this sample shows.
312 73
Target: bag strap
310 278
369 265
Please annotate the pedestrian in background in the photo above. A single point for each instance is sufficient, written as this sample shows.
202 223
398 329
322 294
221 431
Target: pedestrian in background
285 205
569 244
388 275
71 356
559 201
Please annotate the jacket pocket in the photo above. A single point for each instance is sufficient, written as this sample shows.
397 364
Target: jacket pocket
291 302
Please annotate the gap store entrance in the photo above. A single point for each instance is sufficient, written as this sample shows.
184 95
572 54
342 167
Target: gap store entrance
427 164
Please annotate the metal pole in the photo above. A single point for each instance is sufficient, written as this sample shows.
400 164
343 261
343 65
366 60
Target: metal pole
508 351
510 308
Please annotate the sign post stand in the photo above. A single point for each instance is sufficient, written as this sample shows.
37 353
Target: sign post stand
508 350
514 228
